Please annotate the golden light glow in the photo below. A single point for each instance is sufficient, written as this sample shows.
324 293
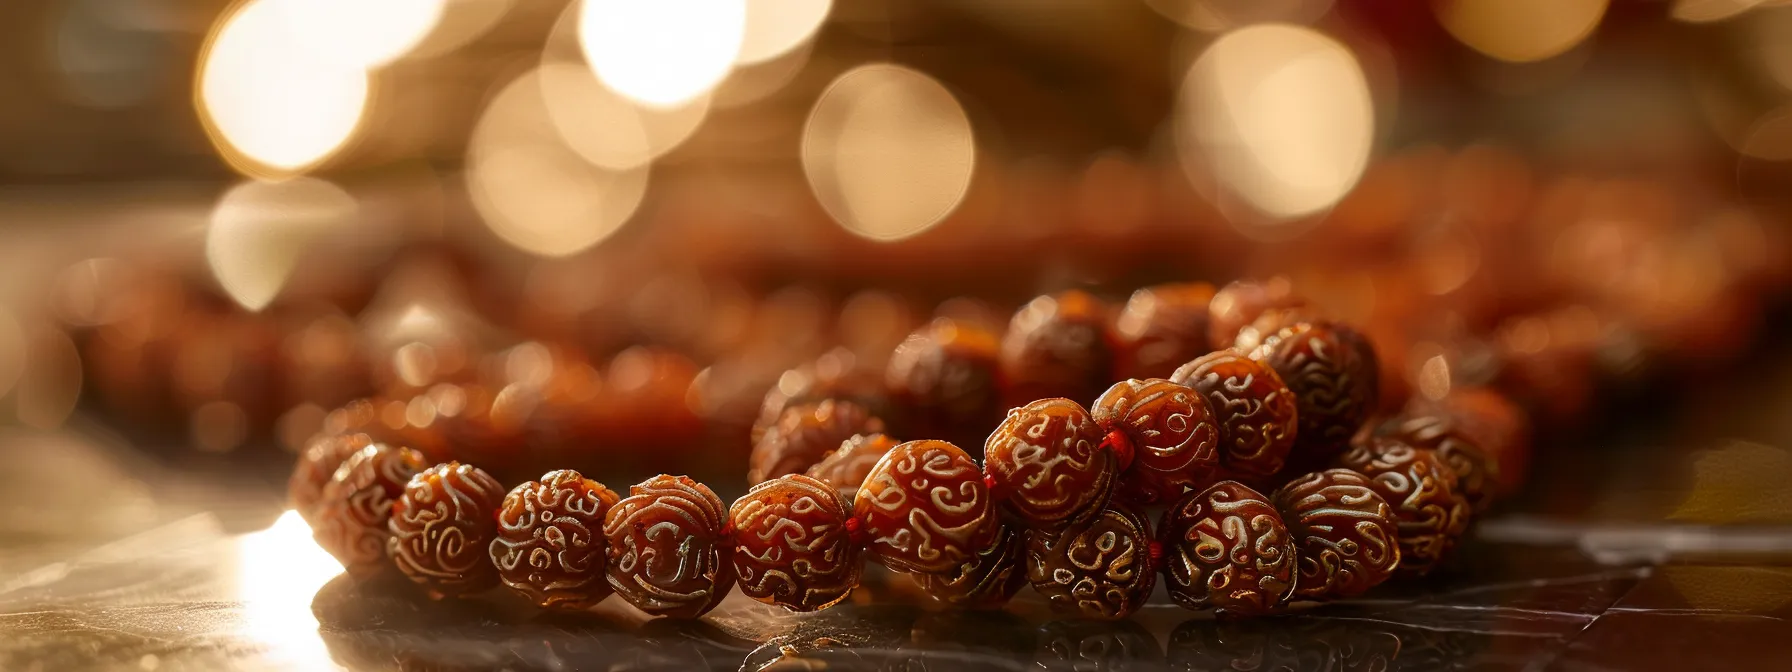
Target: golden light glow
751 83
608 130
270 103
1520 31
357 32
1281 115
662 53
774 27
259 230
1704 11
460 22
1215 16
278 572
888 151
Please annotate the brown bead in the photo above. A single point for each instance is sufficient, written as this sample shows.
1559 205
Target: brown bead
1045 463
1269 322
1056 346
1161 327
550 544
1477 472
1487 419
1255 412
322 457
804 434
943 377
1333 372
442 526
1344 534
1227 548
792 547
836 374
846 468
350 522
986 581
1240 303
668 555
1097 568
924 508
1421 488
1170 431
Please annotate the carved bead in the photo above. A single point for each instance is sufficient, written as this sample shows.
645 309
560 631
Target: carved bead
924 508
1421 488
667 553
322 457
1097 568
441 528
804 434
1056 346
1227 548
550 544
1045 463
1477 472
1481 418
848 465
1333 372
350 522
943 377
791 544
1240 303
1271 321
1344 533
1161 327
1255 412
836 374
1171 433
987 580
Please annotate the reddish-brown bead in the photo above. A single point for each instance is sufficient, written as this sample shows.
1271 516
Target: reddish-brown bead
987 580
924 508
792 547
1045 463
836 374
804 434
1240 303
1486 419
1344 533
441 528
1099 567
1477 472
846 468
1226 547
1421 488
1057 345
943 377
1161 327
350 521
322 457
1334 375
1255 411
1271 321
550 543
668 554
1171 432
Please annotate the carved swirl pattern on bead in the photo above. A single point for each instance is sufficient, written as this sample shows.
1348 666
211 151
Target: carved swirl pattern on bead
792 548
1077 644
1226 547
944 374
1161 327
550 544
441 527
322 457
848 465
1477 472
1173 437
1046 464
925 508
357 503
1344 533
806 433
1335 378
1096 568
667 553
1056 346
986 581
1255 411
1422 490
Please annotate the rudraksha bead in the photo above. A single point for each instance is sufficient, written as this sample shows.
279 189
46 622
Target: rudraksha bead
1045 463
550 544
1161 327
1056 346
1227 548
1477 472
943 378
668 555
322 457
846 468
1241 302
1421 488
441 528
792 547
1269 322
1254 410
350 522
836 374
1167 429
1333 372
987 580
924 508
1099 567
1486 419
1344 534
804 434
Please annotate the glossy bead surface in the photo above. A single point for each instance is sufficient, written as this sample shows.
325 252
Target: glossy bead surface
806 433
1046 465
316 465
1421 488
1477 472
791 544
1487 419
924 508
1056 346
1241 302
1174 442
667 553
943 377
550 544
1097 568
1227 548
1161 327
1344 533
987 580
846 468
350 521
1335 378
1254 411
441 528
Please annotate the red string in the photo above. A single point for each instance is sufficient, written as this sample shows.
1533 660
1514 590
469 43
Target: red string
1156 553
1116 441
989 481
855 531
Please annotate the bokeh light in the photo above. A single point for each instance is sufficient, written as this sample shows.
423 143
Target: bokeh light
1705 11
608 130
752 83
888 151
259 230
662 53
1215 16
357 32
460 22
1520 31
775 27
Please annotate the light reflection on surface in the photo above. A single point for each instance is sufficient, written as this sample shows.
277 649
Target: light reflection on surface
279 571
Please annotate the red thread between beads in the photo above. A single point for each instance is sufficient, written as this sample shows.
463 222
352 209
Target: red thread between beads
1116 441
989 482
855 531
1156 552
